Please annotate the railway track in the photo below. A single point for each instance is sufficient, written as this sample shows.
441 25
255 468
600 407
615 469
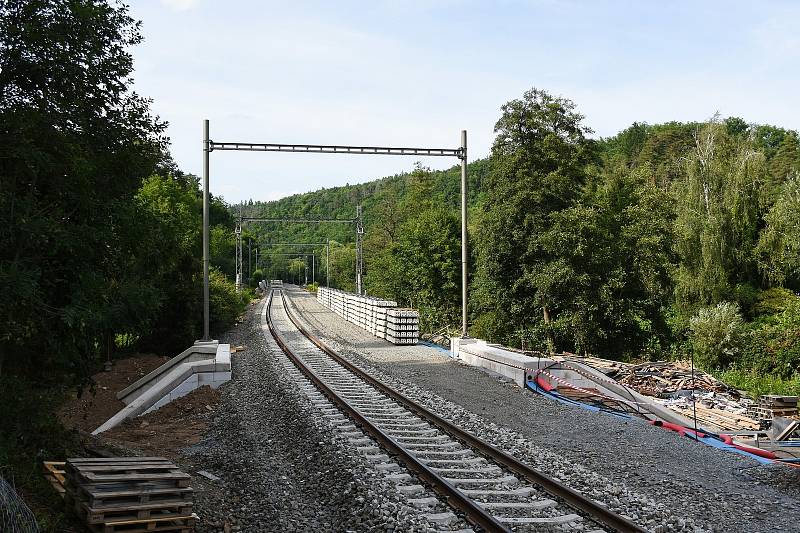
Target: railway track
490 488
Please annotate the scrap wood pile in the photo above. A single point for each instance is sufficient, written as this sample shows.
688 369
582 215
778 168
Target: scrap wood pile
129 494
662 378
718 406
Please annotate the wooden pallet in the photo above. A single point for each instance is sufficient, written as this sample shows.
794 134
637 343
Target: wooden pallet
182 524
54 473
763 413
130 512
107 495
136 472
129 494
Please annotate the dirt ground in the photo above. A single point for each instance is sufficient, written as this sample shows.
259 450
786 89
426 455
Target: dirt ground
161 433
89 410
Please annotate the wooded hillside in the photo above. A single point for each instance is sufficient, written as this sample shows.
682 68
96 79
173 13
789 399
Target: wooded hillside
662 241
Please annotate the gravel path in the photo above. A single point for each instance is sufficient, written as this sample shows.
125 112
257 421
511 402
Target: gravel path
665 482
282 468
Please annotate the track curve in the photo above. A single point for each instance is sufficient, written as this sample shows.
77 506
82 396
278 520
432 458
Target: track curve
474 477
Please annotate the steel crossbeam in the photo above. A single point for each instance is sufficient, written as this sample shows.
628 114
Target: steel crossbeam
336 149
299 220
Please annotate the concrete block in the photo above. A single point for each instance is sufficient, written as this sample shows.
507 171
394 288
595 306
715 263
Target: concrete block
205 378
160 403
222 377
188 385
504 362
200 351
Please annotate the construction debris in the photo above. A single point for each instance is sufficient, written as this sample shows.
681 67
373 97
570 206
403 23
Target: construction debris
127 494
208 475
772 406
661 378
783 428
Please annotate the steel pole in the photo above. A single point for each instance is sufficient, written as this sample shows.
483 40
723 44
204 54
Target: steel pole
464 242
328 263
206 257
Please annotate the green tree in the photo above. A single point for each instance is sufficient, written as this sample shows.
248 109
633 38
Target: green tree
540 159
779 243
784 164
611 276
417 261
171 250
75 143
342 267
717 216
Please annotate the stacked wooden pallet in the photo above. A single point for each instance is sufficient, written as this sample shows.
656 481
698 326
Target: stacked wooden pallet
129 494
380 317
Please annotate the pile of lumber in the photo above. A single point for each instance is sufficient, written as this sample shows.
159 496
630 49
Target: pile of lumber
129 494
664 377
607 366
379 317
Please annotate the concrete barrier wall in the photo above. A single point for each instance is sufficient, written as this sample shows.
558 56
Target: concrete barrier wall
380 317
205 363
557 371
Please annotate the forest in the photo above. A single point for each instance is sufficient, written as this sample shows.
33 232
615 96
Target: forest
100 232
664 241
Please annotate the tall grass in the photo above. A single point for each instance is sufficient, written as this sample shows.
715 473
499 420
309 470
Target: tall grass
757 384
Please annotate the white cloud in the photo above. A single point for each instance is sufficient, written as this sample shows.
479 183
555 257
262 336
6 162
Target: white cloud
180 5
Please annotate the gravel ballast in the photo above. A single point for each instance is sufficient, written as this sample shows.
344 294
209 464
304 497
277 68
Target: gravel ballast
663 481
281 466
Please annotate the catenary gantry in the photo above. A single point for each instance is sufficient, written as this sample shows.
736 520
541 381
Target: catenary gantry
210 146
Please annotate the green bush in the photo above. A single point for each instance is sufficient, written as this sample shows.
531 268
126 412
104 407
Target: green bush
257 276
225 303
757 383
773 343
29 434
773 301
717 335
312 287
488 326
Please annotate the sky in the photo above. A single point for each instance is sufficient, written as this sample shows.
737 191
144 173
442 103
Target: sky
415 73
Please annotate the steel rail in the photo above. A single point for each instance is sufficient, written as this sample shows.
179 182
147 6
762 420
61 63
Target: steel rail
473 512
573 498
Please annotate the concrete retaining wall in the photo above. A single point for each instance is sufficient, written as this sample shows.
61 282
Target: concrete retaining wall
205 363
558 372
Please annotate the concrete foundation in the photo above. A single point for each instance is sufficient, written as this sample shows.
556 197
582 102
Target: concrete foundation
205 363
558 372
